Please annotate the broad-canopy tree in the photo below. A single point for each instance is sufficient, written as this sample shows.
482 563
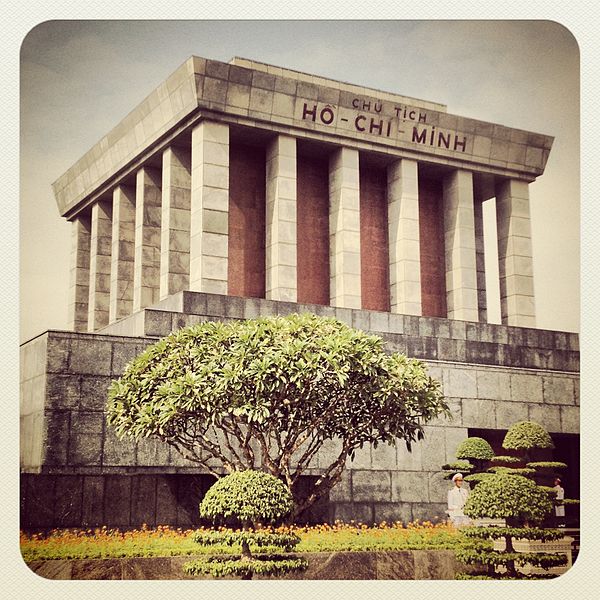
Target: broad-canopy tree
268 393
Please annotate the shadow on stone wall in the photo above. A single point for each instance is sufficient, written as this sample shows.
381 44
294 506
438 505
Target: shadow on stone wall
123 501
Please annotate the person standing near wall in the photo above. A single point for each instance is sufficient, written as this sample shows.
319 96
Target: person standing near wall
457 497
559 509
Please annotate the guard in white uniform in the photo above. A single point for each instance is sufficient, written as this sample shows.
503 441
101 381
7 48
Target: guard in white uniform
559 508
457 497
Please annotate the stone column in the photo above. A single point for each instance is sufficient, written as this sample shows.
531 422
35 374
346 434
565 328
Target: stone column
79 289
146 273
100 249
480 261
459 233
209 225
514 253
344 229
123 242
281 253
175 221
403 235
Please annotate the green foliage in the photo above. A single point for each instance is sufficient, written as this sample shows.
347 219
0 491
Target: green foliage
459 465
522 533
249 497
79 544
355 538
506 492
502 558
505 459
226 566
511 471
501 496
474 448
260 539
526 435
547 464
286 384
477 477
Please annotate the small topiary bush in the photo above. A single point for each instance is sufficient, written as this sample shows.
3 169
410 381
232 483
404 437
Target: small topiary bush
474 448
477 452
475 478
506 460
223 566
252 499
526 472
521 502
463 466
550 465
511 497
526 435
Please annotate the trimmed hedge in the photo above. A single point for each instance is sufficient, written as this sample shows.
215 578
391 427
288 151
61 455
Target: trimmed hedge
502 496
526 435
222 566
523 533
475 448
248 497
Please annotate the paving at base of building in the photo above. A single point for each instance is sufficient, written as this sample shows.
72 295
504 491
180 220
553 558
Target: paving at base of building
238 190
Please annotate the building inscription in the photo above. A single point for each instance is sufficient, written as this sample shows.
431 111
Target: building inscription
376 119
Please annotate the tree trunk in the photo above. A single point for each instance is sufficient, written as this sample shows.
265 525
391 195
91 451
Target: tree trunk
246 557
511 571
246 554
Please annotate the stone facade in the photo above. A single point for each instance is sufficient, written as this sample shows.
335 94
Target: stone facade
237 190
492 376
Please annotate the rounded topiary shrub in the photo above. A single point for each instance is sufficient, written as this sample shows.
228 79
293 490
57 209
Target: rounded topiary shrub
250 497
526 435
476 448
511 497
521 502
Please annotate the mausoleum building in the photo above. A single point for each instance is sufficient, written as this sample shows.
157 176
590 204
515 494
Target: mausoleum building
242 189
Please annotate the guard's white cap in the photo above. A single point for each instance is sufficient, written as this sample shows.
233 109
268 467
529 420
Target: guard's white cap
457 476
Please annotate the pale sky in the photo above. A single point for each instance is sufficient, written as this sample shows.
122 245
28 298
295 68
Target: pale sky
80 78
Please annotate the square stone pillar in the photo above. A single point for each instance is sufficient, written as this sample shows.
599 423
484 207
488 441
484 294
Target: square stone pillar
100 263
344 229
146 273
517 301
480 261
281 252
123 242
79 289
175 221
459 236
403 235
209 225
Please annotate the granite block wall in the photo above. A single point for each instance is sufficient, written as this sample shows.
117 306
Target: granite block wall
68 451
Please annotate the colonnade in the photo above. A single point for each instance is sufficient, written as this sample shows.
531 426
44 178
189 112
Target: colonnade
169 232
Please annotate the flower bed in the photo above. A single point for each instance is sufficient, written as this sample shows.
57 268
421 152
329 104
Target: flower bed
167 542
